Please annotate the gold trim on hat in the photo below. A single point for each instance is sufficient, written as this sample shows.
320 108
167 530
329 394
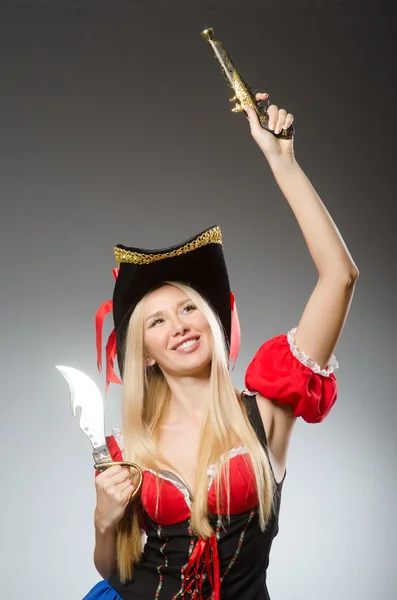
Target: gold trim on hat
211 236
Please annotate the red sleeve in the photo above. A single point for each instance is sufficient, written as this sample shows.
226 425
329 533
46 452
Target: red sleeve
278 375
114 450
113 447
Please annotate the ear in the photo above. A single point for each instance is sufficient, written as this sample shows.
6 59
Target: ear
150 362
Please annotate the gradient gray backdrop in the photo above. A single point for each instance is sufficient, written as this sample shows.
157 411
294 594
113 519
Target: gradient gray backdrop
115 128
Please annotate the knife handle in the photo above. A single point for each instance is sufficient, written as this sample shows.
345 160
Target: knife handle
105 465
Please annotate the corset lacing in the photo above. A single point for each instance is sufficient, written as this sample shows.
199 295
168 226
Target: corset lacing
203 561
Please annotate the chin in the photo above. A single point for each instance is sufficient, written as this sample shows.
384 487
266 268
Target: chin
200 372
192 368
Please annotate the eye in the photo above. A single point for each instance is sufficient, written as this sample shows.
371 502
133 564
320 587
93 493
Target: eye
155 322
189 308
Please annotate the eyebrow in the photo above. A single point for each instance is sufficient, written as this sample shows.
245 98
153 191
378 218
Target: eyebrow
160 312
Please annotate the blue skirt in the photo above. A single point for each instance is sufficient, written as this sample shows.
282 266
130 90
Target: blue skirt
102 591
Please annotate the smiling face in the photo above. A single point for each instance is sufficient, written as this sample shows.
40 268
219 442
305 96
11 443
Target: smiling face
177 335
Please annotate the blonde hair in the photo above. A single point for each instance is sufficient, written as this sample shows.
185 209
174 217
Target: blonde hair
146 395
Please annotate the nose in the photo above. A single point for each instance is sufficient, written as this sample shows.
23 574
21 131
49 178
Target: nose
179 328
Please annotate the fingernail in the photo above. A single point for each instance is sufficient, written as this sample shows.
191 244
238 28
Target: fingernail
271 125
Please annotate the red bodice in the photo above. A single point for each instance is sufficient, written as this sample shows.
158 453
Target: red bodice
173 503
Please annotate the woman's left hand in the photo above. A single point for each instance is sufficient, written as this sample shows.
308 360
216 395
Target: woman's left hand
279 119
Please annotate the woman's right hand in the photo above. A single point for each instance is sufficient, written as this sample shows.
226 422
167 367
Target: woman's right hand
113 490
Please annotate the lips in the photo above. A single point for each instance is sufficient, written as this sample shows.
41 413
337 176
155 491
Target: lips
194 338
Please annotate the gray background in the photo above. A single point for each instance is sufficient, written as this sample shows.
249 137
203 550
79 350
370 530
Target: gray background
115 128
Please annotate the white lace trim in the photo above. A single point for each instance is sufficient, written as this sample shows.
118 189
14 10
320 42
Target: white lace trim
179 485
118 436
212 469
306 360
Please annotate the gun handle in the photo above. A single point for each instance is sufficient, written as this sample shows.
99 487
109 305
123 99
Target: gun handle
285 134
262 106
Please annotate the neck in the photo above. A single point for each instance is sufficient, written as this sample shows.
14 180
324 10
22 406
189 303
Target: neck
189 399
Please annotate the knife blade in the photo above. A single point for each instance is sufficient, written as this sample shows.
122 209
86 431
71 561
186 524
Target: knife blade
85 394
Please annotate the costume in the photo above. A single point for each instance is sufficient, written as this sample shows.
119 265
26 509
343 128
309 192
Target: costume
232 563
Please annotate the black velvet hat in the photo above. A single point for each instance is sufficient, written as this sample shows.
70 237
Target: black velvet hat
198 262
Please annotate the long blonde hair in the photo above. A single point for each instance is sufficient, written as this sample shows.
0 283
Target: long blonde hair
146 395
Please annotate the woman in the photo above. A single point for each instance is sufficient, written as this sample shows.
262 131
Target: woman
214 459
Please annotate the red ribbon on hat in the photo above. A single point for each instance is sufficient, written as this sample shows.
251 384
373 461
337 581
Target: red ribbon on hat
235 334
111 346
204 559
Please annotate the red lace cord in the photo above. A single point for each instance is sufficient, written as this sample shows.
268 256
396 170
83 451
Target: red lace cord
204 559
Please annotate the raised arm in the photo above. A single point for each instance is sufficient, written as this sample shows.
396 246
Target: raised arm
325 313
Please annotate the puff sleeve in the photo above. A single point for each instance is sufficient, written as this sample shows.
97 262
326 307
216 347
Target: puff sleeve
282 373
115 444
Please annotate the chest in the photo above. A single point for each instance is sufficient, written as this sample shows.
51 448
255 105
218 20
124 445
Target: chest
180 449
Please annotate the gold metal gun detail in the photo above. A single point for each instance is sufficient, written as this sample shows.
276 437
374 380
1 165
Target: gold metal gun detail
242 91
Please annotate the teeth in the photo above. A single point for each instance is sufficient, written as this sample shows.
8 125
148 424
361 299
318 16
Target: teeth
186 344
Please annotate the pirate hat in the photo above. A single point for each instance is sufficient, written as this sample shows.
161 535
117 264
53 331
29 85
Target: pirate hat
198 262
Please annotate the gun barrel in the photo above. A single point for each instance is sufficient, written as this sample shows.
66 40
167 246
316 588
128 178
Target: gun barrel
224 60
208 34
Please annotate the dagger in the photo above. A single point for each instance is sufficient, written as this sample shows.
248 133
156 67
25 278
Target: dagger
85 394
